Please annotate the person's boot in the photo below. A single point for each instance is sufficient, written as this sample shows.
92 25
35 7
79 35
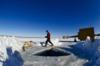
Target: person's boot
52 44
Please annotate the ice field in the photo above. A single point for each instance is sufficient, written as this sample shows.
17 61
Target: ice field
85 53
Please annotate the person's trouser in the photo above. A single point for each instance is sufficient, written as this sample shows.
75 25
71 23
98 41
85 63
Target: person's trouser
49 42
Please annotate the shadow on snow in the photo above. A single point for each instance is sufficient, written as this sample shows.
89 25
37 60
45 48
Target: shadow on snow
85 53
14 59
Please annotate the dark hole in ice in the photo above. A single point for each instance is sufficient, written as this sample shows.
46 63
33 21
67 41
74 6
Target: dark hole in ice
52 52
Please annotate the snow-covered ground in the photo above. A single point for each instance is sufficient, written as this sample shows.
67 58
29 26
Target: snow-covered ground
8 46
85 53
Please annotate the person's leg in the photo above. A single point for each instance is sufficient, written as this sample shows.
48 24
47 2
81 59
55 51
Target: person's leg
46 43
51 43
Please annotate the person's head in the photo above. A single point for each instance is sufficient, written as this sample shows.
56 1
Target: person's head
47 31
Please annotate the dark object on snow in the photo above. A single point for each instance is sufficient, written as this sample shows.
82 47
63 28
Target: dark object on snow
52 53
23 48
85 32
42 44
75 40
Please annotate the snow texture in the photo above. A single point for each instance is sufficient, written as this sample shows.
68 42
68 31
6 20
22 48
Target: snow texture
85 53
9 51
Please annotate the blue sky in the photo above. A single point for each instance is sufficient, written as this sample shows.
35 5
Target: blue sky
61 17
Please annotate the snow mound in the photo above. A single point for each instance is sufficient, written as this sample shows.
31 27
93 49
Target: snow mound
52 52
8 42
14 59
90 51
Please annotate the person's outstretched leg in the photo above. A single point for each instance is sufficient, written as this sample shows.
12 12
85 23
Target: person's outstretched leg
51 43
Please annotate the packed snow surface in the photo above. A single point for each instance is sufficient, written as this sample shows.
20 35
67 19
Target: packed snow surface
85 53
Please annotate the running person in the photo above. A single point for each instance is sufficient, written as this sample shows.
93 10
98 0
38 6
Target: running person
48 38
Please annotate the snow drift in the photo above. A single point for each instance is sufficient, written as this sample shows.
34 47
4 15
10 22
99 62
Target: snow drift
7 55
87 50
